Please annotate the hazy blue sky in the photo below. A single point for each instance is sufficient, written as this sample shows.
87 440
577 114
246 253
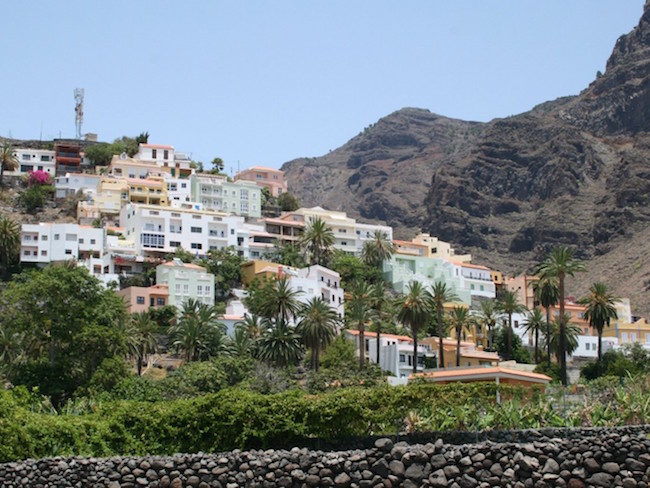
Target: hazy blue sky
263 82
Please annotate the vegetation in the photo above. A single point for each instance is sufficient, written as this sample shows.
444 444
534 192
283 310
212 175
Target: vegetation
440 295
9 245
508 304
8 162
599 310
317 240
414 312
101 154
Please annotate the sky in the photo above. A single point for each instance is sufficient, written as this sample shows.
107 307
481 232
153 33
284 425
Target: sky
264 82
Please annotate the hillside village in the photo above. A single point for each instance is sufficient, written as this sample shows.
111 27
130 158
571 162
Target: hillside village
155 212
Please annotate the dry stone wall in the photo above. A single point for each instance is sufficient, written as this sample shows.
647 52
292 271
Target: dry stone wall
581 458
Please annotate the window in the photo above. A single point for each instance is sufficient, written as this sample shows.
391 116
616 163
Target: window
27 157
587 346
178 288
232 232
45 157
154 153
165 154
174 244
153 240
402 358
244 194
208 290
43 253
81 240
482 288
471 286
160 301
186 289
140 300
199 290
71 237
183 185
196 230
93 241
516 324
197 245
244 206
586 330
68 251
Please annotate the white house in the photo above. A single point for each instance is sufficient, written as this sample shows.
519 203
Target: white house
395 352
71 183
317 281
48 242
160 230
34 160
178 189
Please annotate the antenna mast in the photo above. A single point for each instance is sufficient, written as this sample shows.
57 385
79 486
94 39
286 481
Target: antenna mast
79 110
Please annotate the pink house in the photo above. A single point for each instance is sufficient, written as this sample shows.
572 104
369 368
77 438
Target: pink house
273 179
141 299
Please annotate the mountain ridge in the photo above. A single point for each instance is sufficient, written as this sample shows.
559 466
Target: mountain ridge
569 171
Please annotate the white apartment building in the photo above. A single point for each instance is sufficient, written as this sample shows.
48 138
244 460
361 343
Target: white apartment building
71 183
34 160
164 156
44 243
475 279
349 234
215 192
185 281
160 230
317 282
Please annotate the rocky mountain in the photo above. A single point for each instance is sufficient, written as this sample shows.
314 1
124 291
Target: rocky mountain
574 171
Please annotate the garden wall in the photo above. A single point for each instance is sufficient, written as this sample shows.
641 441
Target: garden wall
574 458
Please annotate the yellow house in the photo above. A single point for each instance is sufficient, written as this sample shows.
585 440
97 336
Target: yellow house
470 355
435 248
149 191
260 270
111 194
629 333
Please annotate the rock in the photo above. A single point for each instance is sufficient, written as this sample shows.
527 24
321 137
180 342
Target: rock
342 480
576 483
611 468
437 479
384 444
591 465
629 483
601 479
551 466
415 472
397 468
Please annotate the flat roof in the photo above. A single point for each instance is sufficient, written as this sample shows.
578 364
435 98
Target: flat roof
482 373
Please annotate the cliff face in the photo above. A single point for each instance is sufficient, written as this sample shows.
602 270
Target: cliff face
573 171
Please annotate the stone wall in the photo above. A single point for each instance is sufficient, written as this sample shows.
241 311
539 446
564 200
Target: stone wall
579 458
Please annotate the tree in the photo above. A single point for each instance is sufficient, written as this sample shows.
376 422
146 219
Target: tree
9 244
559 264
441 294
414 311
140 337
509 305
142 138
488 318
225 265
570 343
288 202
378 249
358 313
68 324
600 310
275 300
8 161
317 240
195 329
547 293
252 325
460 321
351 268
379 303
317 327
533 324
217 165
280 344
182 254
285 253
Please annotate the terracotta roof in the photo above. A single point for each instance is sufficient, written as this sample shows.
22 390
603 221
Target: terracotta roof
482 373
446 341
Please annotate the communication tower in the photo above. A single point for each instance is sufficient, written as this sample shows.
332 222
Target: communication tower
79 110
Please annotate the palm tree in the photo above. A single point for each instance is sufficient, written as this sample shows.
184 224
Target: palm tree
378 302
414 311
600 309
242 343
548 294
559 264
317 240
278 301
141 339
280 344
8 161
508 304
571 333
317 327
358 312
439 295
460 321
252 325
488 317
378 249
195 330
9 244
533 324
